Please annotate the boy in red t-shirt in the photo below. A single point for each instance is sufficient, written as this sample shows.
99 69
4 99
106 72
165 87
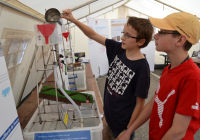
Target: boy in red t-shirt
174 111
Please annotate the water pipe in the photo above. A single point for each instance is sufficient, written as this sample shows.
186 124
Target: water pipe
66 95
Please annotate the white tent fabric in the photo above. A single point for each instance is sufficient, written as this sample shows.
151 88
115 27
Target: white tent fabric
80 9
162 8
83 8
191 6
42 5
150 8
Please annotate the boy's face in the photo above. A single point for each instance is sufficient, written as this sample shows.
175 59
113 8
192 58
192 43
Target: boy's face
128 38
165 41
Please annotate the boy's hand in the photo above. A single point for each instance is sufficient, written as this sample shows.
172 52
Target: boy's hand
67 14
124 135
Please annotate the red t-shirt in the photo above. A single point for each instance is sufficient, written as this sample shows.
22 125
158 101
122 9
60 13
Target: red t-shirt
178 92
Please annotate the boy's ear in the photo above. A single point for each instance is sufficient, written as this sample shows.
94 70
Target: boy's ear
141 42
181 41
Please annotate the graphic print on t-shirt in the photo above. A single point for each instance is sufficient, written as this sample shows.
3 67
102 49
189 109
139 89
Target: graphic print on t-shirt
196 106
161 104
119 77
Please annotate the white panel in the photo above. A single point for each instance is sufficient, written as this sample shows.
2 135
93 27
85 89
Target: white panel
136 14
119 4
149 51
100 12
191 6
84 11
110 15
83 19
150 8
97 52
19 22
10 127
101 4
41 5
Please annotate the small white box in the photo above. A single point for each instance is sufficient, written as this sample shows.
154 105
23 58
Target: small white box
77 79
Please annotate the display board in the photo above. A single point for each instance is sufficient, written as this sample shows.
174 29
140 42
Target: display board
18 43
9 122
149 52
97 52
117 26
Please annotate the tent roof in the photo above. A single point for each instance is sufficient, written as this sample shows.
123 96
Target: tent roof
94 8
162 8
80 8
190 6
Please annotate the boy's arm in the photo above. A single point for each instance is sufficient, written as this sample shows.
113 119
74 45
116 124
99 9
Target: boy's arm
137 110
179 127
86 29
142 118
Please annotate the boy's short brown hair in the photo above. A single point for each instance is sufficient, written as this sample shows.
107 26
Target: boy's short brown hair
187 45
143 27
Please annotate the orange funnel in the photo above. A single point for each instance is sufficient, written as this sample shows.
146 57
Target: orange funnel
65 35
46 30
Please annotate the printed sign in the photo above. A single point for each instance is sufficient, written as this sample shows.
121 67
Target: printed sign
98 56
9 122
69 135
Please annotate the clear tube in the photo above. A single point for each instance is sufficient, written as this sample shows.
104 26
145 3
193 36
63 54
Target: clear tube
67 96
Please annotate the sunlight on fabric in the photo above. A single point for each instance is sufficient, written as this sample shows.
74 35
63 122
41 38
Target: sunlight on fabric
41 5
150 8
191 6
